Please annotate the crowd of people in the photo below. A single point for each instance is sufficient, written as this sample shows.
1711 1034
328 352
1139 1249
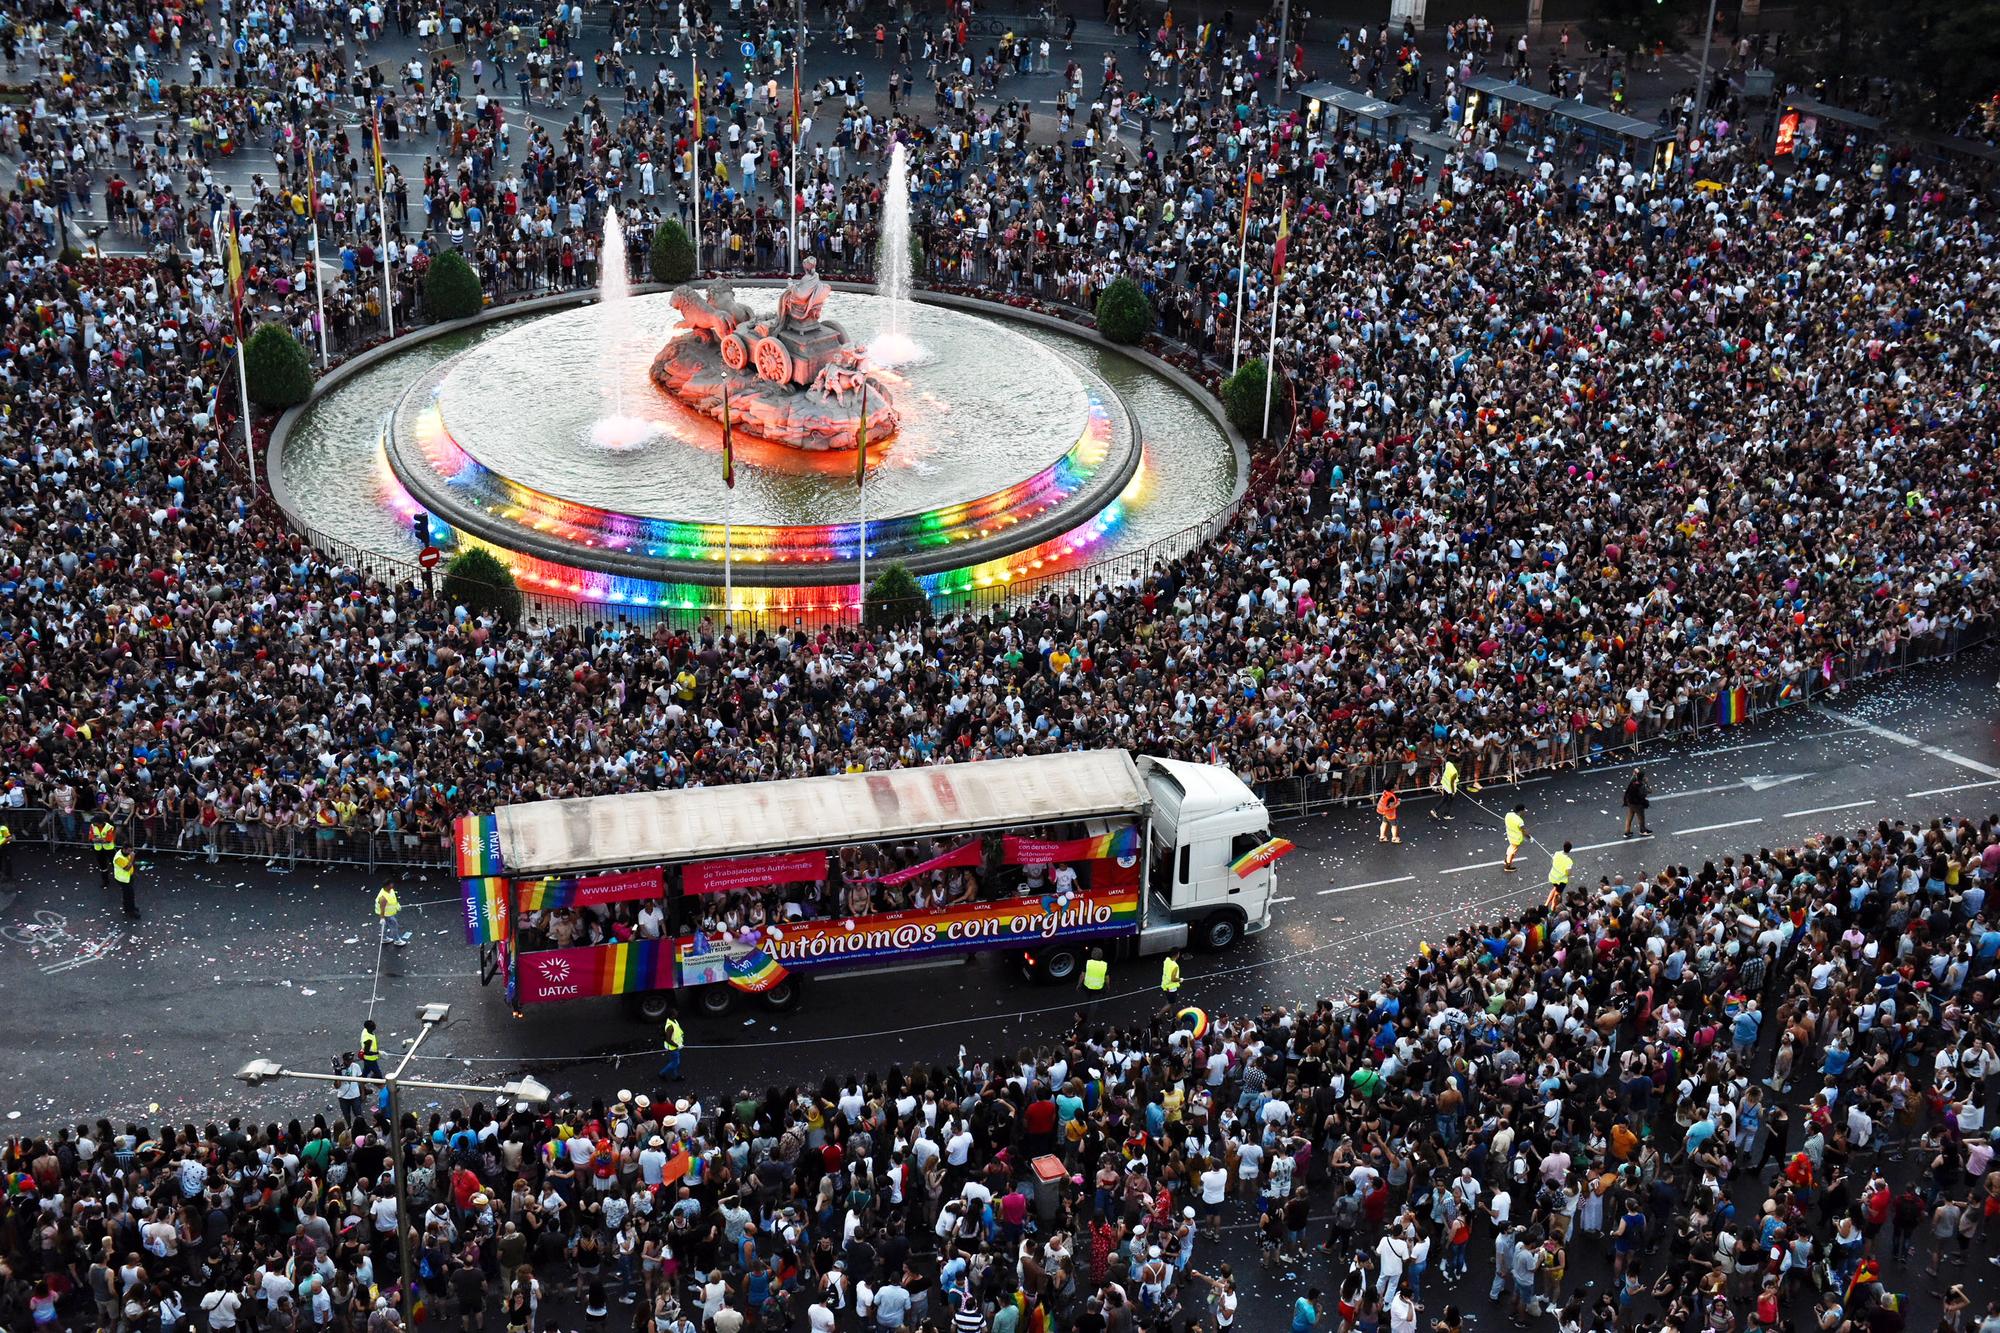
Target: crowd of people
1578 445
1750 1092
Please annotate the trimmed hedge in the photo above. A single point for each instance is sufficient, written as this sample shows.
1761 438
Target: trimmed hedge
1124 315
896 598
673 253
482 585
451 288
1243 398
278 367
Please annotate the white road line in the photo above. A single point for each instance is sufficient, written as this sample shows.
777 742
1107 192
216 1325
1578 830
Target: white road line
1963 786
1698 791
1479 865
1371 884
1291 899
1710 828
1935 751
1827 809
1600 846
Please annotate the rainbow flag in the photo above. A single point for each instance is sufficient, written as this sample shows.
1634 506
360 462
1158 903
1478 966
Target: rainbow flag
1732 707
1789 692
755 971
1262 855
477 839
485 909
603 969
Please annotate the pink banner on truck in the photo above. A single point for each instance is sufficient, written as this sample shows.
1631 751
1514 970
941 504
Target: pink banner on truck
532 895
752 872
965 854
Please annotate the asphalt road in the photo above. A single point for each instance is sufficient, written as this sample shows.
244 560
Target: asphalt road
232 961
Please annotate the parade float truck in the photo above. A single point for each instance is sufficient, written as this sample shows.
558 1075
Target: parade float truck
1040 858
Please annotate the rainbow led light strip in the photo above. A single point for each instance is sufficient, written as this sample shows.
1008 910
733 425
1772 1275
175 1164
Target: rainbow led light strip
553 579
601 529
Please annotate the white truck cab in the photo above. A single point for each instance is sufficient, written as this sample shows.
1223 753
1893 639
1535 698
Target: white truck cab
1203 818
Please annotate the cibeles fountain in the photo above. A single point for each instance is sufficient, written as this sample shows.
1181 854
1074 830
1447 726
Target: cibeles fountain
583 445
793 379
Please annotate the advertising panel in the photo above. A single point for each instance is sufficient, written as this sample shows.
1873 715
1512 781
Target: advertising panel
752 872
603 969
534 895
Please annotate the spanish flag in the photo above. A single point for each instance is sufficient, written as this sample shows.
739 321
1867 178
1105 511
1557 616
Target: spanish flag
1284 235
381 177
795 100
235 278
861 440
1243 227
728 445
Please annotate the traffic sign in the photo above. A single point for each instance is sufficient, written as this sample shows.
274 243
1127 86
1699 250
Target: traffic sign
430 557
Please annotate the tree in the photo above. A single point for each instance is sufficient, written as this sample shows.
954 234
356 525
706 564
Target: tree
673 253
916 253
279 368
451 288
1124 315
482 585
1243 398
896 598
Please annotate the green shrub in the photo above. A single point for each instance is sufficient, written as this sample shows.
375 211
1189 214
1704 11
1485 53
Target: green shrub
1124 315
673 253
916 253
1243 398
451 288
896 598
279 367
482 585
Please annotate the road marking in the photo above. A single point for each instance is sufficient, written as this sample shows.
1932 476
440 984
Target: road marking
1292 899
1478 865
1698 791
1935 751
1371 884
1827 809
1710 828
1963 786
1600 846
1756 782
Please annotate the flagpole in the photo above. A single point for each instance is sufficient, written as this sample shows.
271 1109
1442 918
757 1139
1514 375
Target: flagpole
1271 357
319 280
861 602
388 285
792 177
1242 267
694 139
729 560
243 387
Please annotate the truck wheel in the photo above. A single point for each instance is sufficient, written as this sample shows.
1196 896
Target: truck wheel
715 1001
1058 965
654 1005
785 996
1220 931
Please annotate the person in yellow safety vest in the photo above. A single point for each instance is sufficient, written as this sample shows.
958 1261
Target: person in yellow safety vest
1448 787
103 842
1517 833
1559 867
1096 972
124 866
673 1040
371 1051
1170 973
7 850
387 905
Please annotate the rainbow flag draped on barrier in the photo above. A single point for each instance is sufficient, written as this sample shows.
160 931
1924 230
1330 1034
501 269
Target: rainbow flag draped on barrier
1262 855
485 909
1732 707
755 971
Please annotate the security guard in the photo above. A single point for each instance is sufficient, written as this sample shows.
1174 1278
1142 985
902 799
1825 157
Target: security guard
371 1051
124 866
7 850
1517 834
673 1038
387 905
1170 973
103 842
1559 868
1096 972
1448 785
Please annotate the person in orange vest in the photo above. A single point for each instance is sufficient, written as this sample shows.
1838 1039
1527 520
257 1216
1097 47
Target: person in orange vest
1389 805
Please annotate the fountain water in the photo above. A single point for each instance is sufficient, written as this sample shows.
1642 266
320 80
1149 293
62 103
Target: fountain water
894 346
616 430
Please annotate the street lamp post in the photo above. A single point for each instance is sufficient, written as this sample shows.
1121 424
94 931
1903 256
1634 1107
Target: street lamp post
524 1092
1701 80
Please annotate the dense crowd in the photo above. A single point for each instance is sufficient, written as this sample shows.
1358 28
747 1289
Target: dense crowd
1579 444
1752 1092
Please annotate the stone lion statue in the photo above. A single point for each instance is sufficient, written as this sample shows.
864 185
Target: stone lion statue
714 313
